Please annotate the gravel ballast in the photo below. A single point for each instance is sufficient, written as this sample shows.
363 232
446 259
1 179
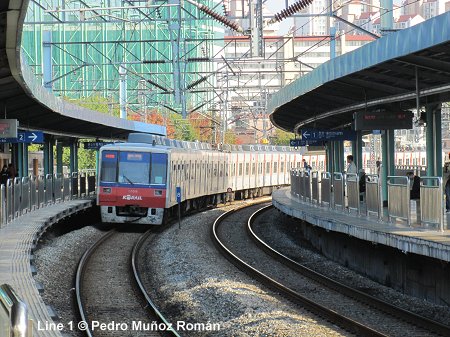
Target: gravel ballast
190 281
56 261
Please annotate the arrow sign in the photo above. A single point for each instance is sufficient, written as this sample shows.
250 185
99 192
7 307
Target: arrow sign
302 142
324 135
27 137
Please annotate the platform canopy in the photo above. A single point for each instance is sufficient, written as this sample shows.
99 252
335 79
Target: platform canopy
23 97
381 75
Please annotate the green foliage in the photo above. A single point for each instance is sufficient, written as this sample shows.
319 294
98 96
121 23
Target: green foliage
183 130
282 137
97 103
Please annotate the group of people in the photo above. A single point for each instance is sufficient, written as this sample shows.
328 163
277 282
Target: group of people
7 172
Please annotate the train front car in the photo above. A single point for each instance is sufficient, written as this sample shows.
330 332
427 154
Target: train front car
132 185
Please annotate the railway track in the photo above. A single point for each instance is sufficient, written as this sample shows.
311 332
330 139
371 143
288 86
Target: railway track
109 290
349 309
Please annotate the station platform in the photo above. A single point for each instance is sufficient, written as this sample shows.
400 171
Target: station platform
416 239
17 239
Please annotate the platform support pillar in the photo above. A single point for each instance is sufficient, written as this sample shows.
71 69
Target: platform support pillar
434 140
59 158
48 156
357 150
338 156
73 157
24 148
388 158
329 157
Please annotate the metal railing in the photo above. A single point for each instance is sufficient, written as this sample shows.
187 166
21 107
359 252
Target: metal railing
353 196
26 194
399 205
14 321
315 187
374 202
338 190
432 201
325 189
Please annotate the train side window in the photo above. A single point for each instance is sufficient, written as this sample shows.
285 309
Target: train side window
221 170
240 169
282 167
423 161
268 168
109 166
407 161
158 168
299 164
226 170
275 167
247 169
253 169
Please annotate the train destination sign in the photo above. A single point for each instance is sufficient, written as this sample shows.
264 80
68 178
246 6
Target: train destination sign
384 120
324 135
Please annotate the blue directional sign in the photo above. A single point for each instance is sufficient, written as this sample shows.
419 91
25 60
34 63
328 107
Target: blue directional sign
301 142
323 135
178 192
27 137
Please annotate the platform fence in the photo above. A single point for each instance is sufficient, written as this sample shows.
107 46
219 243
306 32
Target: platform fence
315 187
399 201
374 202
432 201
22 195
353 195
325 189
338 190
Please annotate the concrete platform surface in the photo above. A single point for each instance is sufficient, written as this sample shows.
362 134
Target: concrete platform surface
16 242
415 239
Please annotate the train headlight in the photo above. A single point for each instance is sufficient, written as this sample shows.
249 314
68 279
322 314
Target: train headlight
106 190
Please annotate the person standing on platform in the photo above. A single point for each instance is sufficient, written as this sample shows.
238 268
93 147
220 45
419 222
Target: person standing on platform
447 196
4 175
415 185
351 167
11 171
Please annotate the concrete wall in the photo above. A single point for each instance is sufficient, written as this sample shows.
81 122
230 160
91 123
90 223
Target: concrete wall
412 274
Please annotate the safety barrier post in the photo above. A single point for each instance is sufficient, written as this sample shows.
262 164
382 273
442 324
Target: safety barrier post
91 183
9 200
325 189
374 197
307 185
338 190
399 201
17 196
67 183
40 181
48 189
315 187
3 216
14 321
25 202
57 187
75 184
432 201
353 193
34 197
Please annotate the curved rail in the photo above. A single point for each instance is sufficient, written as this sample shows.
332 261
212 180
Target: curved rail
360 296
133 261
80 272
342 321
137 277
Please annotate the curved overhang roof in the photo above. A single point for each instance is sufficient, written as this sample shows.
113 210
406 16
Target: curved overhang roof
23 97
380 75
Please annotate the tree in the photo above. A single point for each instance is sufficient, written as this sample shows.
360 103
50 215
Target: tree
282 137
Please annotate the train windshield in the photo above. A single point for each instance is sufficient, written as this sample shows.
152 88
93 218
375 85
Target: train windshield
140 168
134 168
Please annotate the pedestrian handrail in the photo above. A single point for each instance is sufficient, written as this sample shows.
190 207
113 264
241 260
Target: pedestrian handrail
374 201
21 195
325 189
432 201
338 190
14 320
353 192
399 198
315 187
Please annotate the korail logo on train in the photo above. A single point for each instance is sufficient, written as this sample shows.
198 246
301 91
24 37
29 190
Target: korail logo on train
132 197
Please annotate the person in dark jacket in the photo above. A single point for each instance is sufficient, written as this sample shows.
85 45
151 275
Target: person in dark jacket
4 175
415 185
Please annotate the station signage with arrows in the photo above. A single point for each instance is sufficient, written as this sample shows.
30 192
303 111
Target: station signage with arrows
324 135
27 137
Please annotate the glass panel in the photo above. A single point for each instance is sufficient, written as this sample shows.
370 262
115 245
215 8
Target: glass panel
159 168
109 167
134 168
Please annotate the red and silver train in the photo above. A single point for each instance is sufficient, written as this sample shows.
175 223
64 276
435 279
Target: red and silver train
138 179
